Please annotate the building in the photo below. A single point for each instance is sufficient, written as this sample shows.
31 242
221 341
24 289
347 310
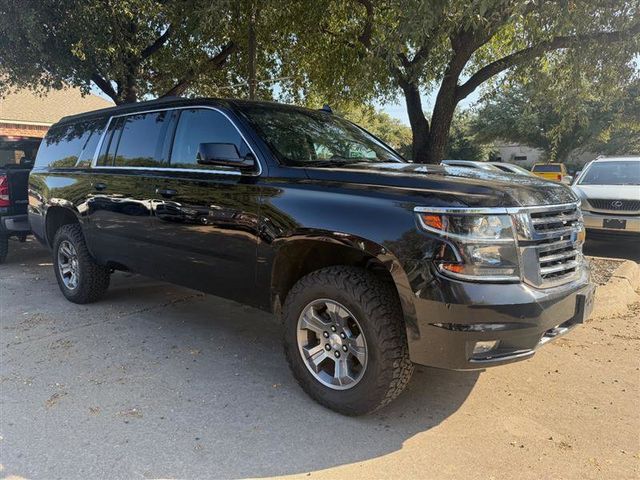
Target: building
517 154
26 116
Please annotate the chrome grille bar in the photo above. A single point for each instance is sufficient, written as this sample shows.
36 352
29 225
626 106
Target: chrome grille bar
550 246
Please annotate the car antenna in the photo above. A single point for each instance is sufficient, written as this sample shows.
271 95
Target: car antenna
326 108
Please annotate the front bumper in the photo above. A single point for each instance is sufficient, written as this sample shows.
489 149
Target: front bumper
594 222
14 224
520 317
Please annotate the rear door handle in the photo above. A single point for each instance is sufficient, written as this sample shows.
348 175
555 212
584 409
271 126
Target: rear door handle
166 192
100 186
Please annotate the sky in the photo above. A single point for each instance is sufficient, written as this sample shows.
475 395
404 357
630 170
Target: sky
399 111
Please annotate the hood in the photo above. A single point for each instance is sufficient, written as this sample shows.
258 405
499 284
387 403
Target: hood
471 187
608 192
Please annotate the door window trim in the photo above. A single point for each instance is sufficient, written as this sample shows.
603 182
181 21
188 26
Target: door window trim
94 162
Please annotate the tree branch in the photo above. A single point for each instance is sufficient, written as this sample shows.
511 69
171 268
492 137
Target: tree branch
365 37
214 62
157 44
105 86
526 54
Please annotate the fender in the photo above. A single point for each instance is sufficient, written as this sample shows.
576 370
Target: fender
369 254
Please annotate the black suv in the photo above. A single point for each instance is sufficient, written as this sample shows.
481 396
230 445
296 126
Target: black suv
372 263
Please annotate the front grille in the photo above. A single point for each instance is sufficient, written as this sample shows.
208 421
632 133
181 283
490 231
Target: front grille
615 205
552 249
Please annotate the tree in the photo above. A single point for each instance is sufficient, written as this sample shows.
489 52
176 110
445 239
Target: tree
370 49
388 129
559 118
130 49
463 143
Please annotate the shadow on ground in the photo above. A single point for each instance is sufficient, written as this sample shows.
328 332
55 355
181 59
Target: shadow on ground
160 381
624 248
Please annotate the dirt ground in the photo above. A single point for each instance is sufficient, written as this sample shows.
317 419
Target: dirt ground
157 381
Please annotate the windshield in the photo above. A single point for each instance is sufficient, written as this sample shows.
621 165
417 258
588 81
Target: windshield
513 168
469 164
547 168
315 138
612 173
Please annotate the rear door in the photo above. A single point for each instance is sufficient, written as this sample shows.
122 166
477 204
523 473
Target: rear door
205 217
134 148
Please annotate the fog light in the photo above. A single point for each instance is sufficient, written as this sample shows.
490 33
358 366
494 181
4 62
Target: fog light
486 346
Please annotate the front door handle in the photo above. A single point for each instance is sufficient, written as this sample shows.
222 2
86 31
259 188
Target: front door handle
166 192
100 186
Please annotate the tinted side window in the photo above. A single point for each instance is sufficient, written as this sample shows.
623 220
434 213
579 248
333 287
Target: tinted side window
94 130
199 125
63 144
139 140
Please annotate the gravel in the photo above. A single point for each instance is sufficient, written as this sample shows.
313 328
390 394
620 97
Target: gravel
603 268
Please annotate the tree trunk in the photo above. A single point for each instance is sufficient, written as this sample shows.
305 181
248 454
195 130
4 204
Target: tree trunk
419 123
441 119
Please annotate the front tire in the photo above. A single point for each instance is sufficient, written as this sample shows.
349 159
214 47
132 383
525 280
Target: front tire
345 340
79 277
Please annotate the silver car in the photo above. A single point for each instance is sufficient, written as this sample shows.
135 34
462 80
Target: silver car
471 164
609 189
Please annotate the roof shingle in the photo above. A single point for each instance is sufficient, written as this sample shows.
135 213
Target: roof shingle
27 106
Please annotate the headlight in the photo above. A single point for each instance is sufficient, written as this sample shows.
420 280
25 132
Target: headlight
476 246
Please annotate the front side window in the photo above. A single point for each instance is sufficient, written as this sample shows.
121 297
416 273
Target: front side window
138 140
612 173
201 125
311 138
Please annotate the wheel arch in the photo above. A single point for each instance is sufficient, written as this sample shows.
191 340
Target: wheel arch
299 255
57 216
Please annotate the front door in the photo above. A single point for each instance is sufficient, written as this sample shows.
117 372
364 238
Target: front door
205 217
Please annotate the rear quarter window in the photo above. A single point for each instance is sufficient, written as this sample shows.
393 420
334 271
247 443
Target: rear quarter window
70 145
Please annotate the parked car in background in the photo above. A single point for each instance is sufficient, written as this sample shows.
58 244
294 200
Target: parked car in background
511 168
609 189
372 263
14 221
556 172
471 164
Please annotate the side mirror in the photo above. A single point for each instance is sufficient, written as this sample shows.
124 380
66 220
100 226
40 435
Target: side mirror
224 154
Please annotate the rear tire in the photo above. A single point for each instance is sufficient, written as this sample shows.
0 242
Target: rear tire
4 247
80 278
373 310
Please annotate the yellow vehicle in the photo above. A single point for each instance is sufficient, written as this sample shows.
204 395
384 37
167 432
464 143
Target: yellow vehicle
551 171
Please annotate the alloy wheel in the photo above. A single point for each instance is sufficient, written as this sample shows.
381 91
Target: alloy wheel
332 344
68 264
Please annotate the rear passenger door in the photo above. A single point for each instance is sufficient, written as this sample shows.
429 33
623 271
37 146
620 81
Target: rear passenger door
205 217
134 148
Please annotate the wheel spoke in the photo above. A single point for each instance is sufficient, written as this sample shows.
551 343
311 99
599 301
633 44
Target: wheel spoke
316 359
338 314
311 351
358 352
341 371
66 251
65 268
312 321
